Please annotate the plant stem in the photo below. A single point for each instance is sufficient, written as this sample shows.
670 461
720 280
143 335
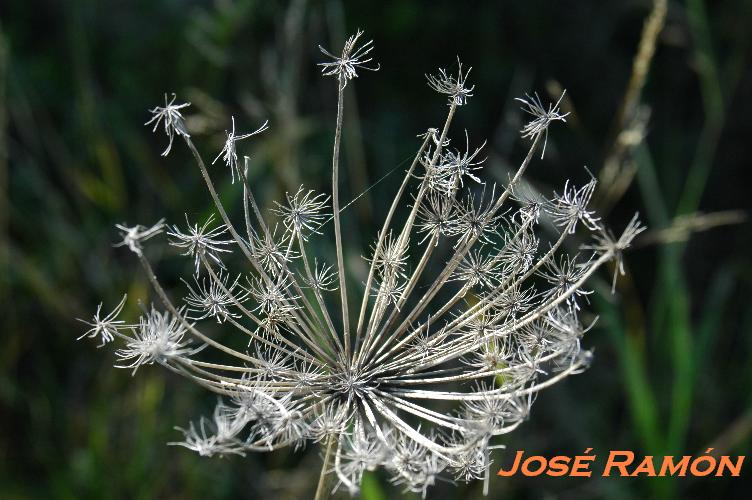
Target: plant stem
337 228
321 488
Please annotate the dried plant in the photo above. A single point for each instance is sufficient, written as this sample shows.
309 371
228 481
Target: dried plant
464 316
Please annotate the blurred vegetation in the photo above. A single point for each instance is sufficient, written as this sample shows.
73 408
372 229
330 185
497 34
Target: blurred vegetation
672 372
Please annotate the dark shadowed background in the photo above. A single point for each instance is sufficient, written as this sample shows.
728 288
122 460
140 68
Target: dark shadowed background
672 372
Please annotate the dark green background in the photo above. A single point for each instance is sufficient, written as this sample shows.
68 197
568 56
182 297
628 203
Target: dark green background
672 372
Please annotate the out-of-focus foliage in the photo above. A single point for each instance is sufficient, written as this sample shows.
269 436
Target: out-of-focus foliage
672 372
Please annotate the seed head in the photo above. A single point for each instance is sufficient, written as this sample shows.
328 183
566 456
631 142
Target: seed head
542 117
200 241
172 120
134 236
344 67
468 310
453 86
229 152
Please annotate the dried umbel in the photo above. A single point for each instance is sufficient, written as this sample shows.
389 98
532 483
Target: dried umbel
464 317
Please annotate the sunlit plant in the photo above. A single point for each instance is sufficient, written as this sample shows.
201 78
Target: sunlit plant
465 315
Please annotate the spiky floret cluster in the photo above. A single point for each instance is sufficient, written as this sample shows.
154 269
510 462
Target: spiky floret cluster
464 315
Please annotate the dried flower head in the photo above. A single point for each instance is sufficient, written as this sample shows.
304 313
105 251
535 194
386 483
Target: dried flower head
212 298
229 152
200 241
134 236
542 117
452 85
304 212
105 328
172 120
352 58
159 337
463 318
